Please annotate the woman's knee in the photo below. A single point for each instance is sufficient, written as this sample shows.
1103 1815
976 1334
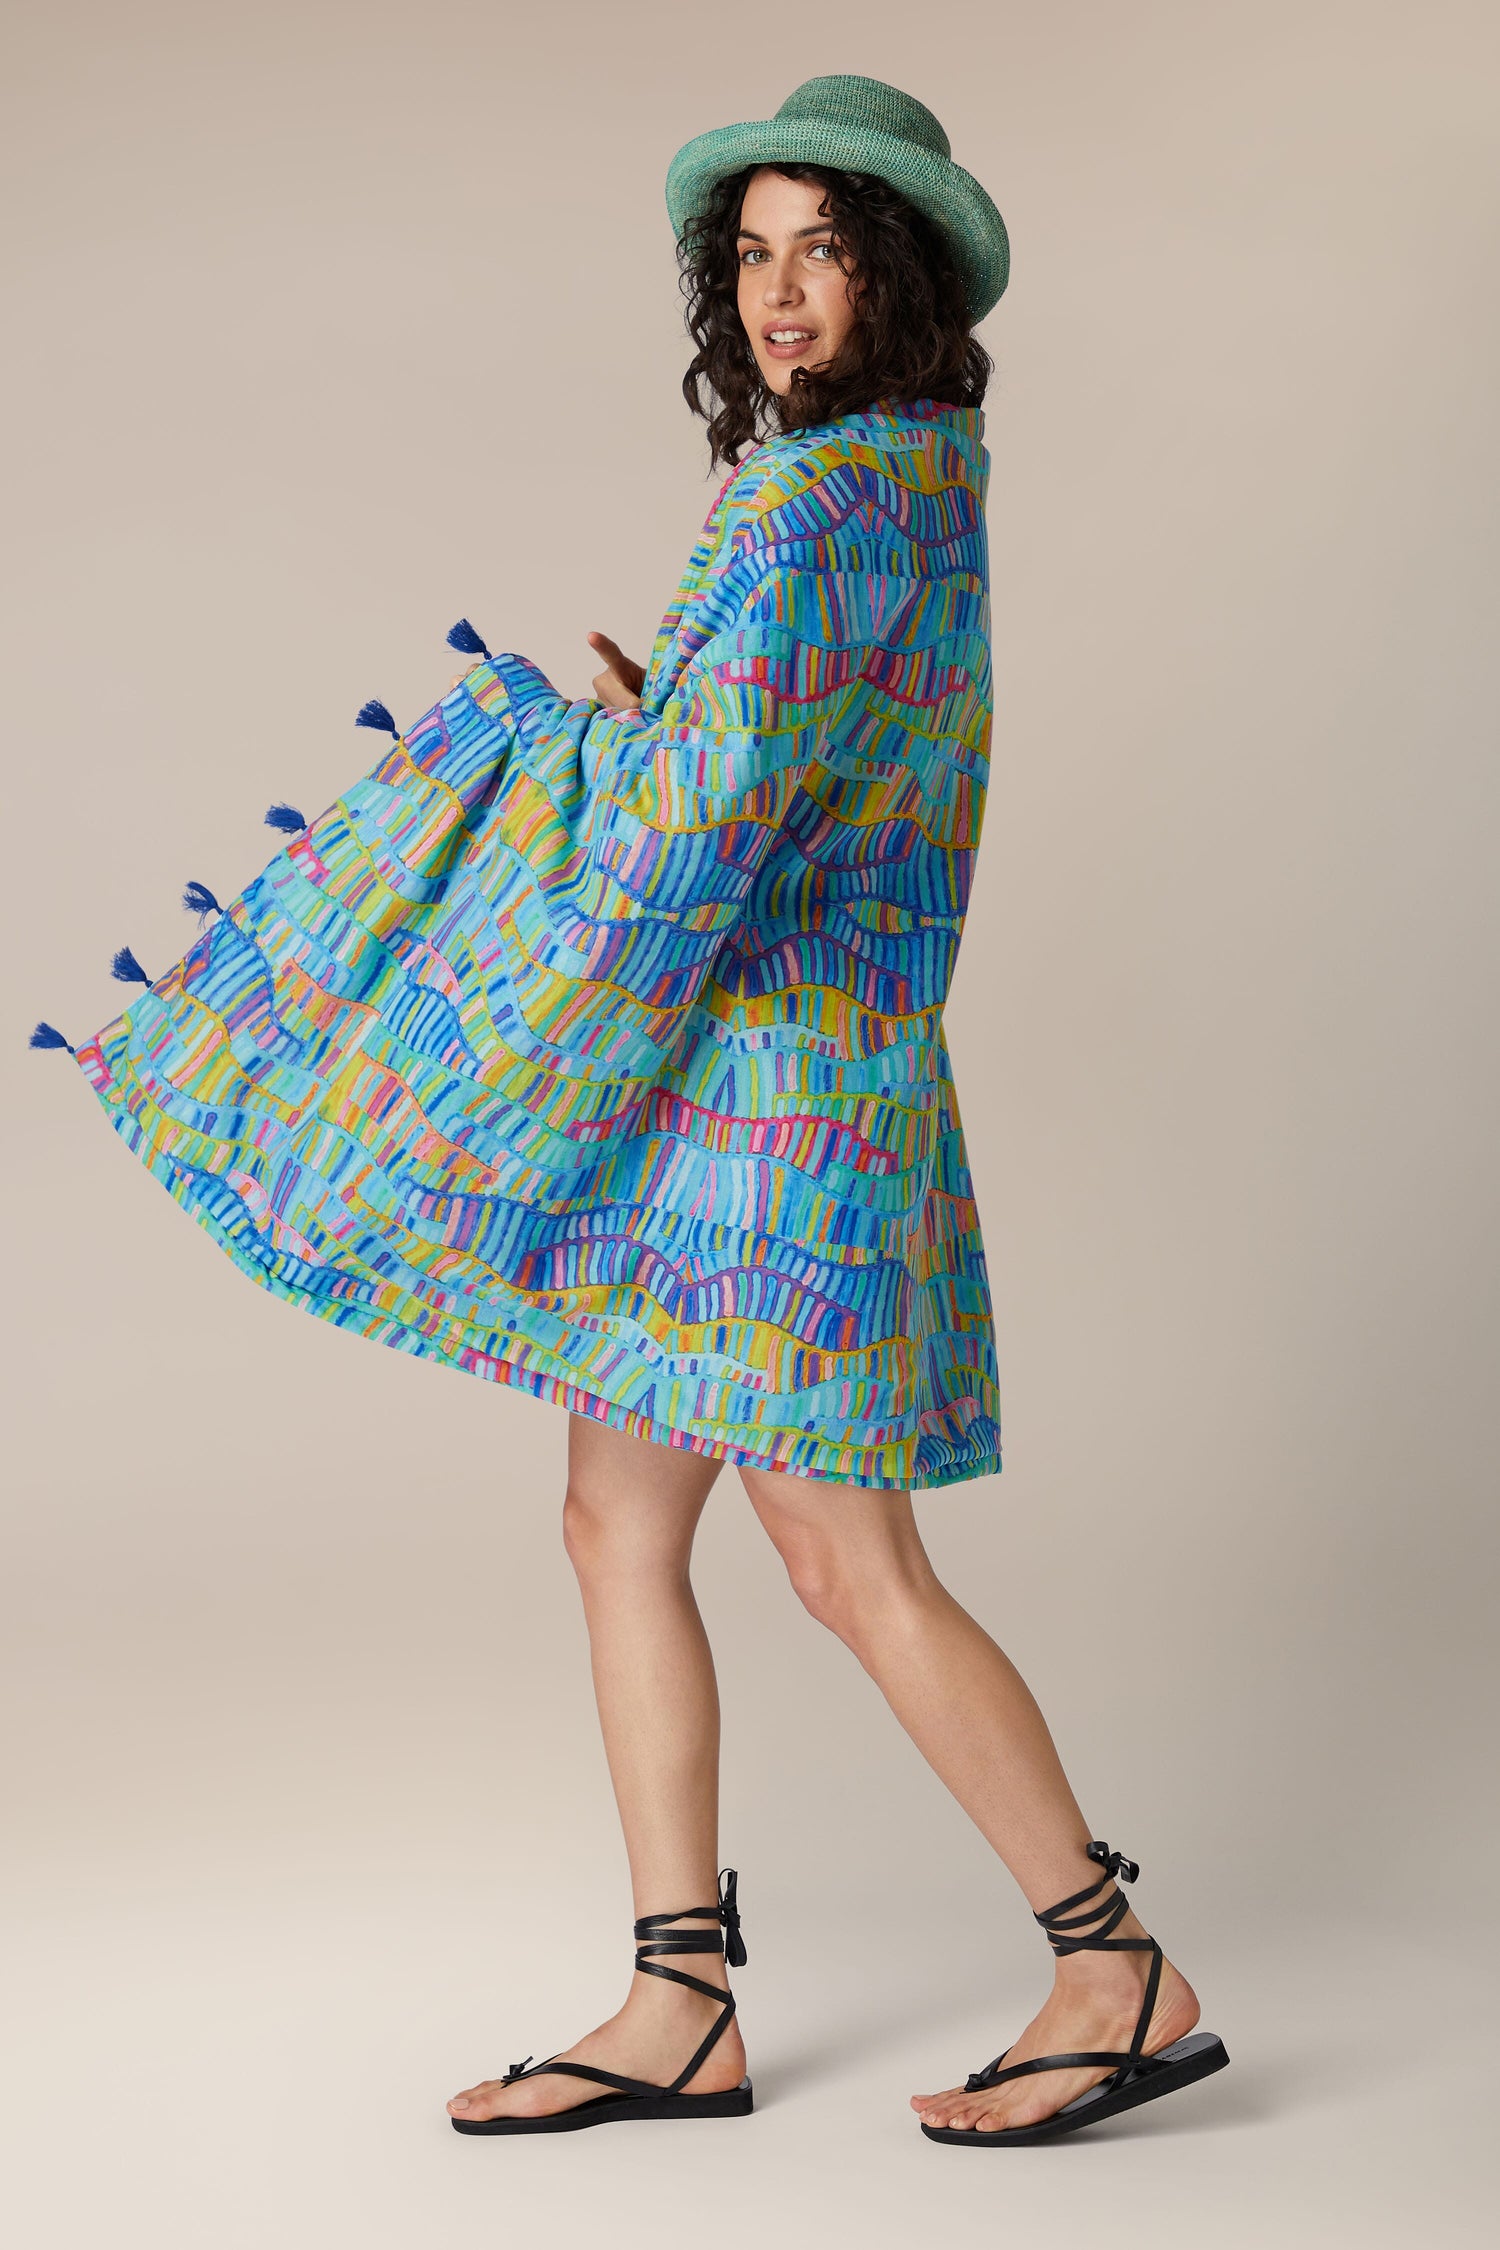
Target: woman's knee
603 1532
631 1507
816 1580
857 1592
585 1528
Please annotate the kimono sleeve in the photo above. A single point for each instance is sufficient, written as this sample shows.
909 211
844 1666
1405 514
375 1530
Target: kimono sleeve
626 843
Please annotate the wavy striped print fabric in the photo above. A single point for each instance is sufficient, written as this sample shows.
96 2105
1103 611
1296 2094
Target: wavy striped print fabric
601 1053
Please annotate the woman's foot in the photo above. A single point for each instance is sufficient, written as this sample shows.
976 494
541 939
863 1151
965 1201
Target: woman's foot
1093 2008
653 2035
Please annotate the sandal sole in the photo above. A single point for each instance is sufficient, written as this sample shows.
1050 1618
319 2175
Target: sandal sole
618 2109
1183 2064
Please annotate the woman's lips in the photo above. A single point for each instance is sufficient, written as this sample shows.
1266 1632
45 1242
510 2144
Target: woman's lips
795 339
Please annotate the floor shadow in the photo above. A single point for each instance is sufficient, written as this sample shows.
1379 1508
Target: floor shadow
1246 2094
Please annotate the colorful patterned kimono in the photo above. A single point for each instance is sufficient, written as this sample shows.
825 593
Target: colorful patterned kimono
601 1053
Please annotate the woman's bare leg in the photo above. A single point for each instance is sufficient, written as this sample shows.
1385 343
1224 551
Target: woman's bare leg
628 1521
857 1561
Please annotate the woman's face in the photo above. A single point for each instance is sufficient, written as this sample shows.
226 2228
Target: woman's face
794 297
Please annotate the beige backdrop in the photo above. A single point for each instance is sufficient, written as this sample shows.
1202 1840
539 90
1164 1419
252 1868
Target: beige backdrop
329 321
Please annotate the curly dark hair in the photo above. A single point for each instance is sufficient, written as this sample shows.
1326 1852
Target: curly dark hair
912 339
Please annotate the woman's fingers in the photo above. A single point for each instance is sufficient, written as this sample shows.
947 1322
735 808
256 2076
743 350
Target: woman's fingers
459 677
631 676
612 692
611 651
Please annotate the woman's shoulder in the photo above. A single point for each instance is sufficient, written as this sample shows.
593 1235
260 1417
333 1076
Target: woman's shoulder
791 467
809 478
766 470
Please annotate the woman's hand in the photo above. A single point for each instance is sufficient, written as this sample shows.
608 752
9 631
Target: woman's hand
619 685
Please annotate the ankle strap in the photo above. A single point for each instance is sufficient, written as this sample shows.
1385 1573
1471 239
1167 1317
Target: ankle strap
1067 1931
655 1936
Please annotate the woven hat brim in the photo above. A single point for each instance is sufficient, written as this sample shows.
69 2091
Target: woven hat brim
940 189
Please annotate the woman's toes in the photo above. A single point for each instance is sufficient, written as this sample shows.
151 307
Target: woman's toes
473 2102
961 2112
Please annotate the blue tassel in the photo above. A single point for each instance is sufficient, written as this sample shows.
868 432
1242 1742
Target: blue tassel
375 714
199 899
464 638
285 817
47 1035
126 967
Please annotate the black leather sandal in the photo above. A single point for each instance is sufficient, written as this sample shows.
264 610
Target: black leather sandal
1133 2077
637 2097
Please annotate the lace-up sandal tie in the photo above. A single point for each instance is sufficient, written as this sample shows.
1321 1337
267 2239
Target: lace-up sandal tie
1134 2076
638 2097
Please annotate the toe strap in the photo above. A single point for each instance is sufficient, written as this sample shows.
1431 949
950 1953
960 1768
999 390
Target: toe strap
978 2081
614 2079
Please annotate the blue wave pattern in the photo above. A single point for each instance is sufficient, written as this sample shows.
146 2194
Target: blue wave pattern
601 1053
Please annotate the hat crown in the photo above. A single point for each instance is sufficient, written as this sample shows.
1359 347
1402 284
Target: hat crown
866 102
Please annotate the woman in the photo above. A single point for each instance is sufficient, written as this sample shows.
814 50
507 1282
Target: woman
596 1047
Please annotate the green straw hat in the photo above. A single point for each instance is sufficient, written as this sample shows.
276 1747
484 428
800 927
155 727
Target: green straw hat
858 125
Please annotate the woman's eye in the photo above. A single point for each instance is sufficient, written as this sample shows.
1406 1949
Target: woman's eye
750 257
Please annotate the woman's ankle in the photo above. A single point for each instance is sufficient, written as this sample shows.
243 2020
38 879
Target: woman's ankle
1111 1966
664 1996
